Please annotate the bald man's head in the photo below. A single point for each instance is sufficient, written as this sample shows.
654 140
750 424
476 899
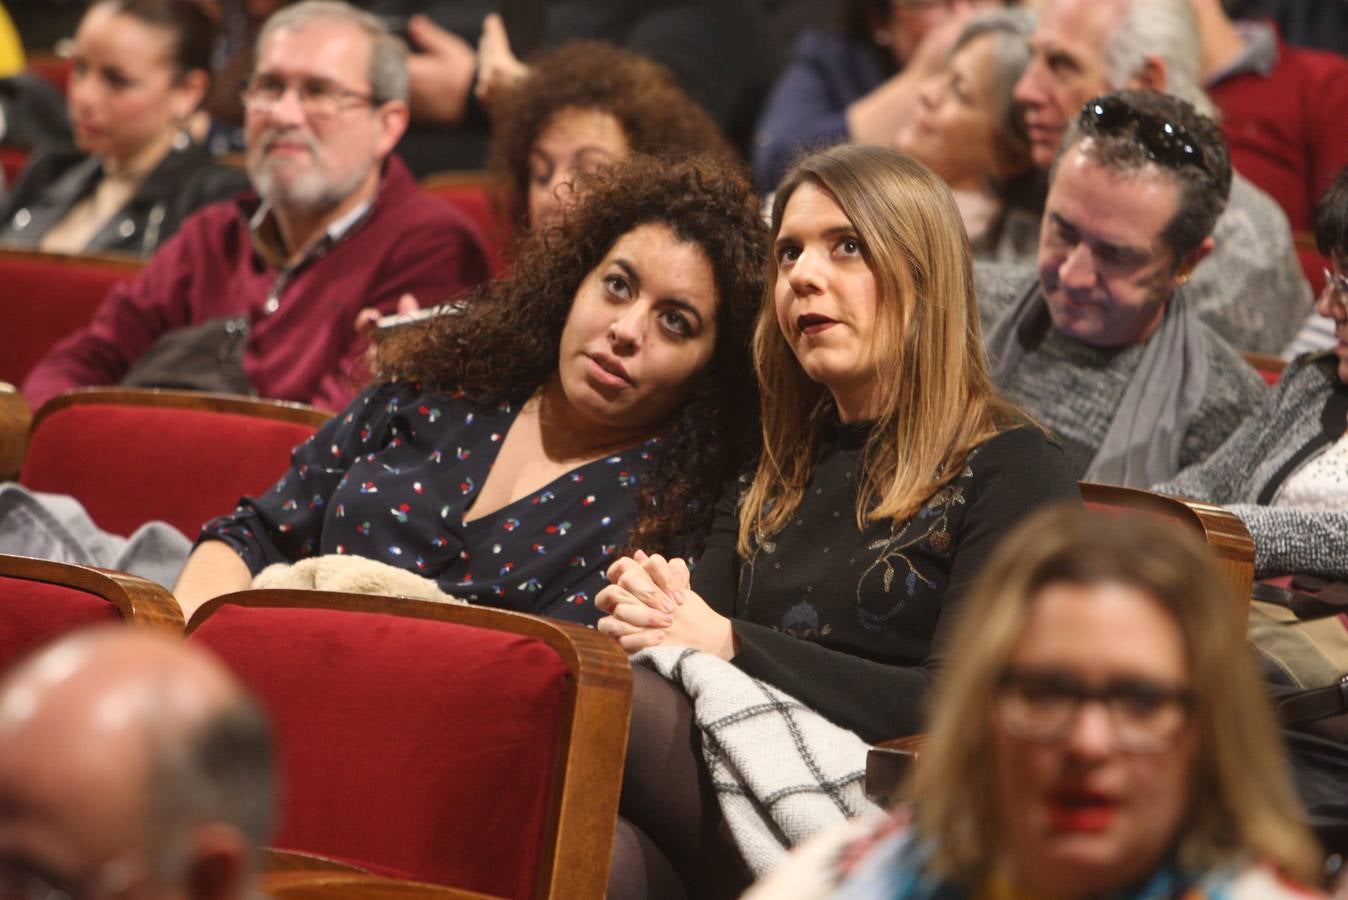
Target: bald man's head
134 762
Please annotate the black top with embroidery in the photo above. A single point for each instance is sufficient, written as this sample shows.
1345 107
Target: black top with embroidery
391 478
852 623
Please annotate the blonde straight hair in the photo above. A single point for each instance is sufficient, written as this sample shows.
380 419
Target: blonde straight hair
1243 807
937 402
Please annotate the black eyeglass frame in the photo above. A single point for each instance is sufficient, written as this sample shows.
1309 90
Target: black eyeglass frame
1109 697
1165 142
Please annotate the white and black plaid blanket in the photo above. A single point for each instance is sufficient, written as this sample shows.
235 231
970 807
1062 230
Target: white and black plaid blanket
782 772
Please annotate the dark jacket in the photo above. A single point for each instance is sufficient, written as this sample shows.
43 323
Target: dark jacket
55 180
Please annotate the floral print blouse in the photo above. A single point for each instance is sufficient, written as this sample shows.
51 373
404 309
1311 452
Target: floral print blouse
391 478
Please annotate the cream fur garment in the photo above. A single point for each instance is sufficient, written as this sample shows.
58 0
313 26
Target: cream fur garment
351 574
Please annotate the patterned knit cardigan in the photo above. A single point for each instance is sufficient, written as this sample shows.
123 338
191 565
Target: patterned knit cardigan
1305 414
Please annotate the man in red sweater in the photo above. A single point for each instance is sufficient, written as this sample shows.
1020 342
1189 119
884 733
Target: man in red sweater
337 224
1284 113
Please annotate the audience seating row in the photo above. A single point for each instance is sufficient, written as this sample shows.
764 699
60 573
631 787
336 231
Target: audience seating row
134 455
404 753
406 757
50 295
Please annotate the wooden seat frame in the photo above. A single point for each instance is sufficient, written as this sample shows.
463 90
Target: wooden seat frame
1225 535
139 601
889 762
282 410
583 807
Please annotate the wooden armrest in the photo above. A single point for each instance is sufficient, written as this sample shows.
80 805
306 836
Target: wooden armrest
275 861
15 418
328 885
887 766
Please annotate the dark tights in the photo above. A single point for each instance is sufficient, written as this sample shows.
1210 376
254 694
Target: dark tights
670 841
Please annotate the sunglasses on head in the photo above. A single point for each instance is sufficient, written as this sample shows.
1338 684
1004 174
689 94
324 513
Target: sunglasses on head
1165 142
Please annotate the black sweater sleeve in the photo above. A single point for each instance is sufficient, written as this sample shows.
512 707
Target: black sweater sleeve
1011 474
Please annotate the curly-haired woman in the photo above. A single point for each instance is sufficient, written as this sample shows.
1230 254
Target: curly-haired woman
580 108
596 397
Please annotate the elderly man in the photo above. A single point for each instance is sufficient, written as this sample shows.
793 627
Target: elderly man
130 765
1104 345
267 288
1251 290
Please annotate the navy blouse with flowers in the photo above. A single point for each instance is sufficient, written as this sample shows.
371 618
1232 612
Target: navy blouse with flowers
391 477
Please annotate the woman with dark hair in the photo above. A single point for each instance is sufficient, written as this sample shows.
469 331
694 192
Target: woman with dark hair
1284 472
890 466
1100 732
579 108
141 69
595 398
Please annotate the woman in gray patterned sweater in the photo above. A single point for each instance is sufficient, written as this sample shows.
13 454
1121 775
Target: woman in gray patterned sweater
1284 472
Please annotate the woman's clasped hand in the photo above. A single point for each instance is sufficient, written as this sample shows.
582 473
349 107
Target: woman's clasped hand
650 600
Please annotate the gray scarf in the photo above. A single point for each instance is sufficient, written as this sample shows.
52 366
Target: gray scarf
1143 442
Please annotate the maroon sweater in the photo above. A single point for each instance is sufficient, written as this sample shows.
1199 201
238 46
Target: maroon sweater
1288 128
307 350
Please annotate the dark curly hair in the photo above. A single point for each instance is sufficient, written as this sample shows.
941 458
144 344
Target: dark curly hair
506 344
1122 147
656 116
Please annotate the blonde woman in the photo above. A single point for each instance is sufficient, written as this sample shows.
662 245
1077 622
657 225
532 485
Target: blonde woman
1100 732
890 466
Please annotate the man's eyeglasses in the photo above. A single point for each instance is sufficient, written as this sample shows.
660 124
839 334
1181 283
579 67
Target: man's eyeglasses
1165 142
1146 717
319 97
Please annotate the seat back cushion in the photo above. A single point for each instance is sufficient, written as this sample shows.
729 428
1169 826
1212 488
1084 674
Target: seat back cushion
411 747
45 300
34 612
133 464
474 202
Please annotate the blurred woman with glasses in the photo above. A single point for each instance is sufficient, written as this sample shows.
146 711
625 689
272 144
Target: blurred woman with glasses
1284 472
140 70
1100 732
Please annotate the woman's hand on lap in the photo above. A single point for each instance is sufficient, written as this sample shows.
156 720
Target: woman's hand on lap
649 602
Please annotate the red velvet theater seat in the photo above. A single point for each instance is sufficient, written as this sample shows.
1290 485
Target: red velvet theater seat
12 161
46 297
470 194
133 456
41 600
465 747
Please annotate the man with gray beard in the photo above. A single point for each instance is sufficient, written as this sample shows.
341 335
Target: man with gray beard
276 279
